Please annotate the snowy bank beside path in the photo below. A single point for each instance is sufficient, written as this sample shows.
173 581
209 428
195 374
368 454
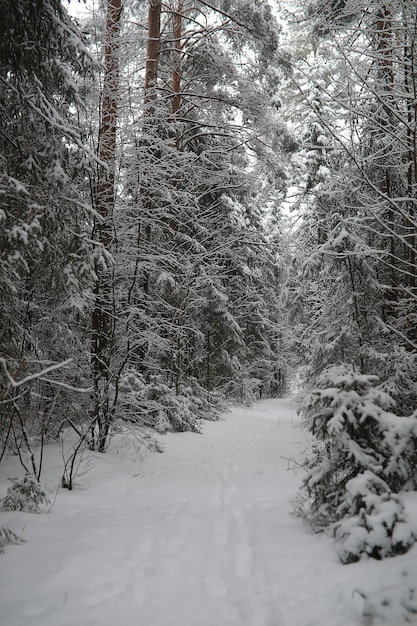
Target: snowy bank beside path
198 536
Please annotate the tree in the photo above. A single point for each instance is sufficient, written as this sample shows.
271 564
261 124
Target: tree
355 473
365 204
188 227
359 236
46 257
102 322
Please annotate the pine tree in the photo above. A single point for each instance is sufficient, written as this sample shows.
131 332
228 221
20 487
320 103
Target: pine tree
187 224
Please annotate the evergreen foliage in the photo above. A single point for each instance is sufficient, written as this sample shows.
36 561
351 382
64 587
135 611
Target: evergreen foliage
142 271
359 194
372 521
367 455
352 293
26 494
46 257
196 273
169 237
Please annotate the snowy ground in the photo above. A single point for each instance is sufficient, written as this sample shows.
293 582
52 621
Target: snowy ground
198 536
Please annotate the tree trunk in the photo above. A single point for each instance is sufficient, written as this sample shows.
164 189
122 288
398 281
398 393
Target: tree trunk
102 321
153 49
177 64
410 83
384 46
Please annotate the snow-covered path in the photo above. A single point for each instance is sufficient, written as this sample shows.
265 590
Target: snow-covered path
198 536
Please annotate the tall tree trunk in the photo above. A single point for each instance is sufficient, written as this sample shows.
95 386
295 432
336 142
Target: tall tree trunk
177 61
410 83
153 49
385 74
384 35
102 321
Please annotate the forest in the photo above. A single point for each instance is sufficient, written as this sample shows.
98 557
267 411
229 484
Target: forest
204 204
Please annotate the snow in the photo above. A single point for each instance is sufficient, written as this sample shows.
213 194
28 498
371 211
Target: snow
200 535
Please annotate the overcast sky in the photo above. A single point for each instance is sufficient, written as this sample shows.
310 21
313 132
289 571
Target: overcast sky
76 8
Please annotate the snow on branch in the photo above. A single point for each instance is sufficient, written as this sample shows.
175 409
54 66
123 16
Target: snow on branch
41 376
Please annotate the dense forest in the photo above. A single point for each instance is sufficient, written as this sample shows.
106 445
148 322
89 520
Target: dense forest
214 202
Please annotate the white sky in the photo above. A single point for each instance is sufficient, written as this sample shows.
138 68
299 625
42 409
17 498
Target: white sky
78 8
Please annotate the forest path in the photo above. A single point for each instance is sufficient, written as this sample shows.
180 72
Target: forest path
198 536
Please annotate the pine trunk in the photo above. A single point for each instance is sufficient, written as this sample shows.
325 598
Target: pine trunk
102 322
153 49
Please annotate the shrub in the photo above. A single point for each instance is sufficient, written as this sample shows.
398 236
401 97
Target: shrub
363 456
26 494
373 521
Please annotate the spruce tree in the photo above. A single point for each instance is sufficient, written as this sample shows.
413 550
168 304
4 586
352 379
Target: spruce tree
46 258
